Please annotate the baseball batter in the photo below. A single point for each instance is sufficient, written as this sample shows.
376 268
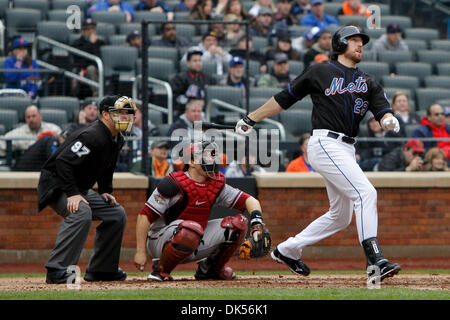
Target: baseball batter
173 226
341 94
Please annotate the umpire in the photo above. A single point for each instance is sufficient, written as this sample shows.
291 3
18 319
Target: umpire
88 156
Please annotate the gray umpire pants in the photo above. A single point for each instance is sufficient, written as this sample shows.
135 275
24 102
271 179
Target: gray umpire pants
74 230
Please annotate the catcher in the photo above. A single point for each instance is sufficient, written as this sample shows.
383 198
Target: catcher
173 225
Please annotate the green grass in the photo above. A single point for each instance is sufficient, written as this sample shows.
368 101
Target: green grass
232 294
220 293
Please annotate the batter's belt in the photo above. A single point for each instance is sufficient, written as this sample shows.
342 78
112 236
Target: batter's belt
334 135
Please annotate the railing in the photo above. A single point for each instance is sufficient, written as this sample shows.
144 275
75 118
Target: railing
167 87
231 107
100 84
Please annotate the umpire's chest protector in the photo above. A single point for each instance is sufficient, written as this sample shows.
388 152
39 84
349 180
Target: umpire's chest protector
199 197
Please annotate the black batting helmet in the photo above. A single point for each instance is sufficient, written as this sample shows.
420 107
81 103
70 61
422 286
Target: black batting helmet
339 41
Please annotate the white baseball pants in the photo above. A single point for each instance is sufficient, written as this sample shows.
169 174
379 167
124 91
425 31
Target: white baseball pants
348 190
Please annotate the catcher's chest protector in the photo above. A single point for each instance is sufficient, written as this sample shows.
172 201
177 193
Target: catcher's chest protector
200 196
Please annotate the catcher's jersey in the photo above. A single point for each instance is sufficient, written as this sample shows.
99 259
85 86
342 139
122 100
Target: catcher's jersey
341 96
157 206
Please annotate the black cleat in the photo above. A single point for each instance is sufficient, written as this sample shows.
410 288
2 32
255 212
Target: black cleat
119 275
296 266
57 276
387 269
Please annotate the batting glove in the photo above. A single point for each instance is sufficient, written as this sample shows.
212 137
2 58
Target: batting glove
245 126
391 123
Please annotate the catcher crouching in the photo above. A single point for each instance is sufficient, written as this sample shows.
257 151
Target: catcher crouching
173 225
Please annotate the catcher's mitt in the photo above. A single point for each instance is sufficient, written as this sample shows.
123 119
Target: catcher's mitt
258 248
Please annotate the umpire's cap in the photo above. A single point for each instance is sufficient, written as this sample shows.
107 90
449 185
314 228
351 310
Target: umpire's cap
340 42
108 102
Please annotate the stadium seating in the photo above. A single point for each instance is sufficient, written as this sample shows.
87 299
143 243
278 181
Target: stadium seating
437 82
22 21
105 30
403 21
407 82
8 119
64 4
112 17
416 44
428 96
263 92
56 116
231 95
440 45
415 69
433 57
296 122
304 104
159 68
186 31
16 103
376 69
61 15
443 69
117 39
164 53
422 34
139 16
70 105
4 4
115 62
41 5
409 128
392 57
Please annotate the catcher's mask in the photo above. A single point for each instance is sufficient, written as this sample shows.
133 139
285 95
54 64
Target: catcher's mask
206 154
122 110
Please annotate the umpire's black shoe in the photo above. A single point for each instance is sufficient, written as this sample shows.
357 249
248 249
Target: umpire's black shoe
296 266
387 269
57 276
120 275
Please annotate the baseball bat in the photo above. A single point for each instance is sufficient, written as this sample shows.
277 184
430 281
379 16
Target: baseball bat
212 125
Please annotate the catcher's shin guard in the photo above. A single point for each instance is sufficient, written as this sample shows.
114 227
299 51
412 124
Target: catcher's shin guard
185 240
375 258
213 267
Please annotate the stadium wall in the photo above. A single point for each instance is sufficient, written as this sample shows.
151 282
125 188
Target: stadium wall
414 214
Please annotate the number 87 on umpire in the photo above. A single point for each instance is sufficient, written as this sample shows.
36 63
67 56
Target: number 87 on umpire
341 95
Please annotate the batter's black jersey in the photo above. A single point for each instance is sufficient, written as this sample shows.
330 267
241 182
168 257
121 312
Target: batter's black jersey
87 156
341 96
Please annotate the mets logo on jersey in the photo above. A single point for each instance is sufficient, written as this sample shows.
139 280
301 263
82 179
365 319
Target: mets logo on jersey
337 86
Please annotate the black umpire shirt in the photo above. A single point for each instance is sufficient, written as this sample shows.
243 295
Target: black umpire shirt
341 96
87 156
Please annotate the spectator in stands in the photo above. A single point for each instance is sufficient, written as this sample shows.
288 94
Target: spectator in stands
402 110
157 164
369 153
31 129
219 30
266 4
190 84
447 115
435 160
134 39
306 40
406 158
301 164
241 50
283 45
37 154
300 7
279 76
263 24
212 52
19 60
233 32
201 11
434 126
320 51
284 14
354 8
236 7
153 6
90 43
185 6
169 37
87 115
239 170
193 112
235 77
391 40
113 6
317 17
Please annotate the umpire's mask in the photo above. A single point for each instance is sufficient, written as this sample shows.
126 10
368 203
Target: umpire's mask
122 112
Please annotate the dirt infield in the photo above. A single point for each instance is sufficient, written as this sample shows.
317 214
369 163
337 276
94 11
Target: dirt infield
356 279
411 281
